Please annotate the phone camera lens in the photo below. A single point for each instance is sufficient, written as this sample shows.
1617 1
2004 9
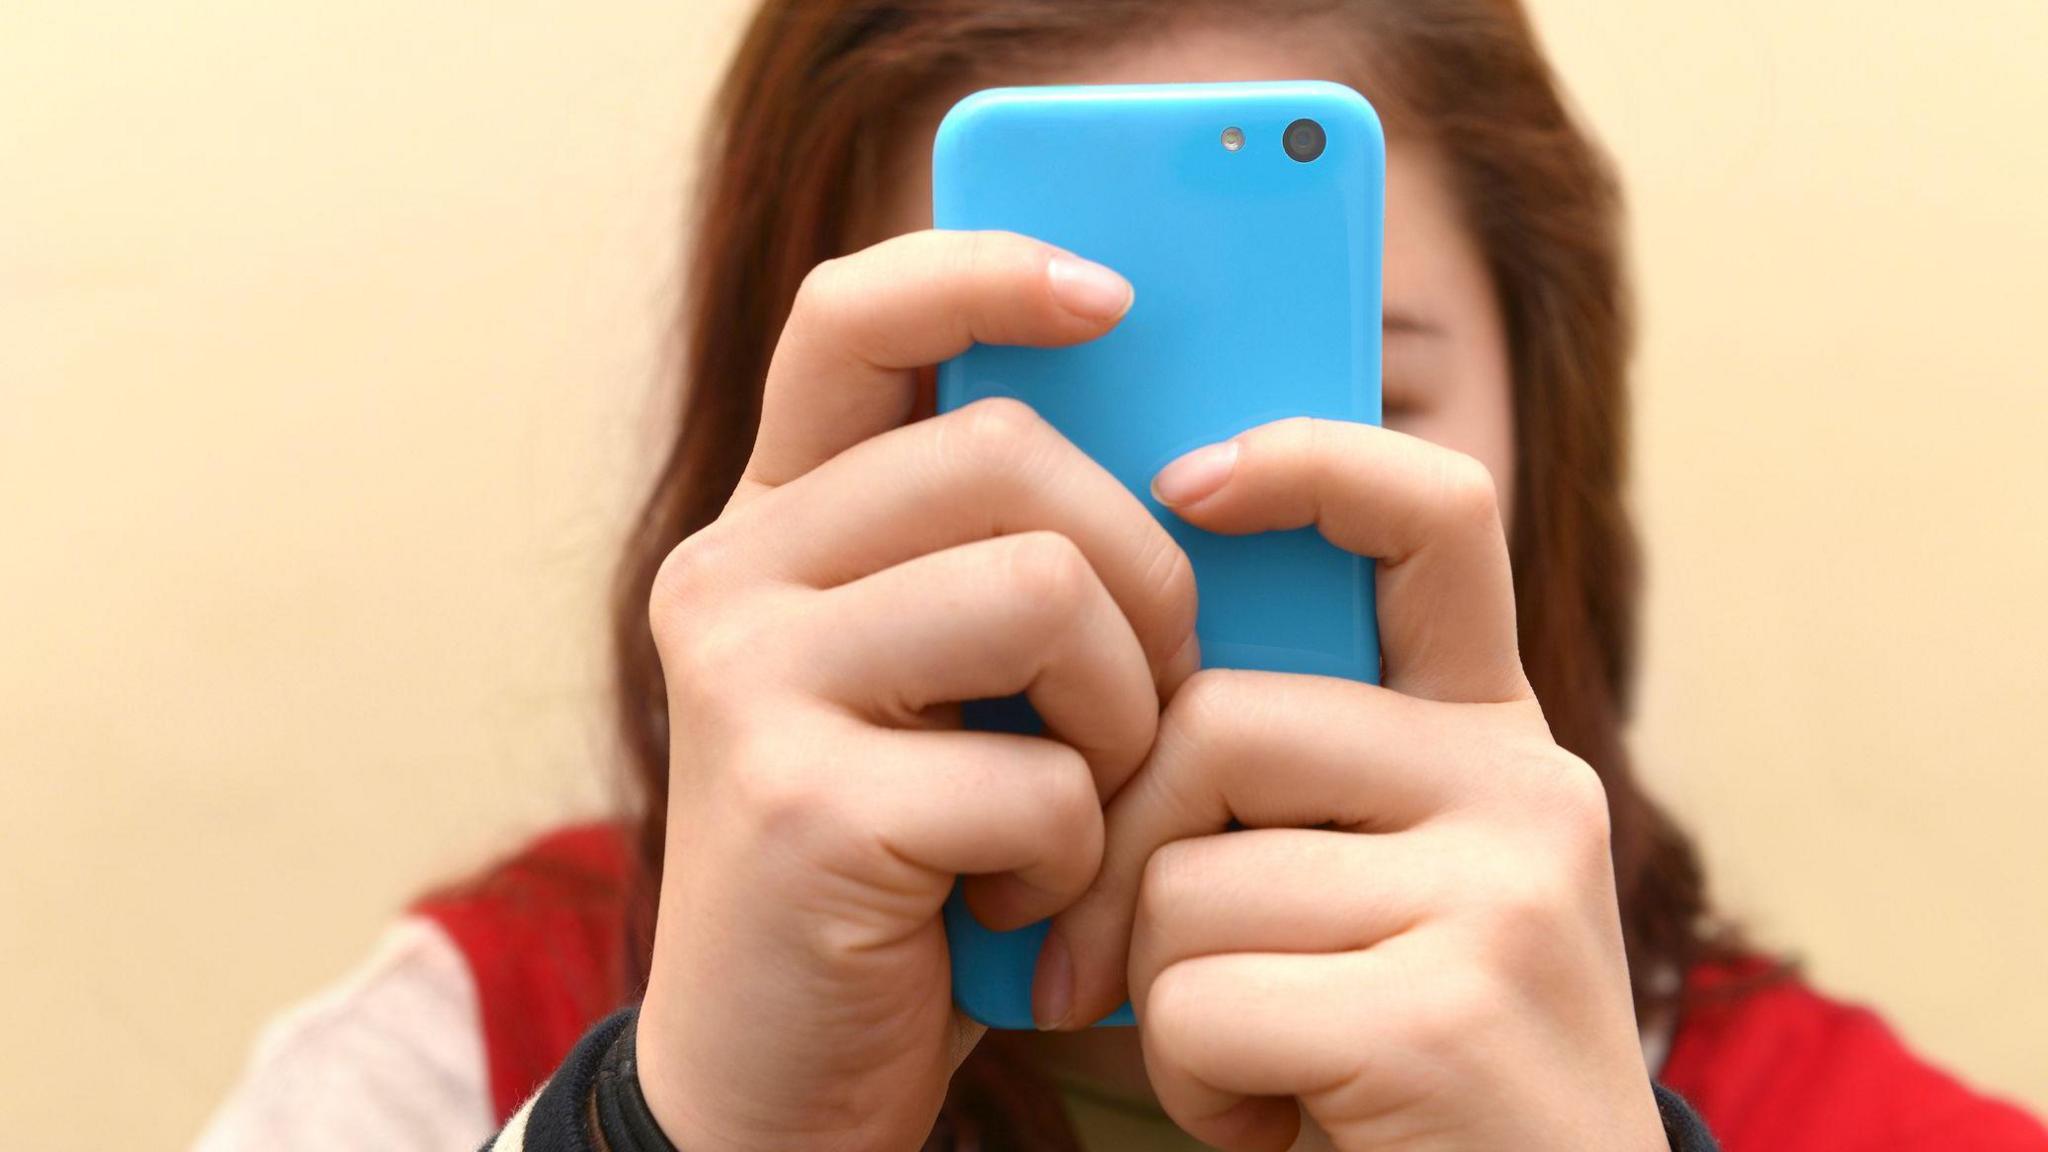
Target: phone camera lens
1304 140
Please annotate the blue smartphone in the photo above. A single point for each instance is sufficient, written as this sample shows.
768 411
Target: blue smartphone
1248 219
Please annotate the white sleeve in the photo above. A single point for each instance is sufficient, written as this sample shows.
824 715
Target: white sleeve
391 1058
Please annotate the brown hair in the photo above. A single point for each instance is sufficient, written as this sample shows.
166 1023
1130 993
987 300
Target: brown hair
818 89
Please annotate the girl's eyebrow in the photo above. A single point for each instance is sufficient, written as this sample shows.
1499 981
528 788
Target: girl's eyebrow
1399 321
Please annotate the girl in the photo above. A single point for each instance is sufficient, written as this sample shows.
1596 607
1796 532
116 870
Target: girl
1454 919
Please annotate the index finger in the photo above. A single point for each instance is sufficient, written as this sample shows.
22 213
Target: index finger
1427 514
862 324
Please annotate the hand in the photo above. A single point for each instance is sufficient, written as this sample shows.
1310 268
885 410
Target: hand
1416 941
821 797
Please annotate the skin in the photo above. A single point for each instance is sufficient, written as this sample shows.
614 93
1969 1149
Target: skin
1415 944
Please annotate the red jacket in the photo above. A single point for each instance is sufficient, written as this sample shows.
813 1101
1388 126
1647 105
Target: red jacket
1781 1069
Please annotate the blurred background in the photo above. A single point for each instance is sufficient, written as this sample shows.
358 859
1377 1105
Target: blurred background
330 340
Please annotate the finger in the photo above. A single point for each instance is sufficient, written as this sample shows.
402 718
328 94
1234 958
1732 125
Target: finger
1427 514
992 618
1266 749
948 804
962 1034
1278 890
989 469
1355 1037
861 324
1230 1040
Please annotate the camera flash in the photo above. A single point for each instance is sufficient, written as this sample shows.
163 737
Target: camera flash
1233 139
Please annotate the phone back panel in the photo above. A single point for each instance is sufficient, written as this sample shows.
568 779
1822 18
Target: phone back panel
1257 283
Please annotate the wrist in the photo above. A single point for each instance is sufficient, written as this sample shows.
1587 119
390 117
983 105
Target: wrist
619 1109
664 1094
1683 1130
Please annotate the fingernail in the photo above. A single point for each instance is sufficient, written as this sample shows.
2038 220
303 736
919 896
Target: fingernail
1052 985
1195 476
1087 289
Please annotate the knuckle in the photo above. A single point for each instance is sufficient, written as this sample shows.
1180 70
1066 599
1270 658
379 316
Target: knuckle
1204 705
1001 280
781 797
1192 752
1072 807
1048 573
999 439
1576 799
1000 424
986 256
1466 492
826 288
1170 579
1535 899
1165 878
1526 908
998 257
832 306
1169 1017
1583 797
821 294
709 659
1293 435
685 571
710 645
1464 1004
689 576
1287 445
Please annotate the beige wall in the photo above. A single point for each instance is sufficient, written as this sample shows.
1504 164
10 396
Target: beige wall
326 336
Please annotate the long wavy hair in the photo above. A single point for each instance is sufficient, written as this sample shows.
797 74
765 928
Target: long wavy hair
813 101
